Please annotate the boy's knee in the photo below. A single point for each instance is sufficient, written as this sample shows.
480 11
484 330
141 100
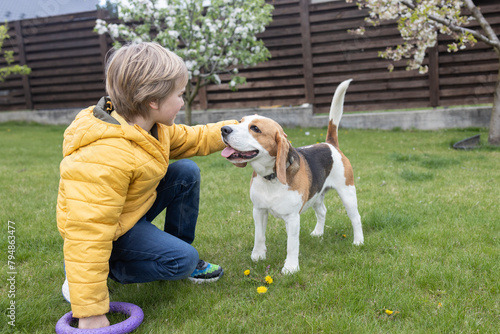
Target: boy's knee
190 167
188 170
184 267
191 261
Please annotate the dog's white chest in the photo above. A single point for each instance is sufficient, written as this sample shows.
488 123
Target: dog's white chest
275 197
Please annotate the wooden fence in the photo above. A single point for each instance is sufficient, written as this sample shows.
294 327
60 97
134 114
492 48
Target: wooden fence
312 52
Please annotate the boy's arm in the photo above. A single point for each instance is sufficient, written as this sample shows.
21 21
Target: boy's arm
187 141
94 194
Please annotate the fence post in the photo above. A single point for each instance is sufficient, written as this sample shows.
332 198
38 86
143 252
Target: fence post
305 30
434 76
22 61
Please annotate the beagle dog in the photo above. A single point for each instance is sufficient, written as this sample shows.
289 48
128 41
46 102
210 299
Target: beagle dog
286 181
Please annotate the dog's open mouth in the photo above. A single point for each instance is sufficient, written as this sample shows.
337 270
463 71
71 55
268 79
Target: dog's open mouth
231 154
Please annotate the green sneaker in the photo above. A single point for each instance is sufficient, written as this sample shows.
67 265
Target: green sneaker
206 273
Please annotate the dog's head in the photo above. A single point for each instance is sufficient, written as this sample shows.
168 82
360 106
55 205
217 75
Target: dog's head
258 140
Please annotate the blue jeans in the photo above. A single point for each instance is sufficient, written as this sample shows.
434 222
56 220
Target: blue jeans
145 253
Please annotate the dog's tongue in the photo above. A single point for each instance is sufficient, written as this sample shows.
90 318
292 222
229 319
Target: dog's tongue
227 152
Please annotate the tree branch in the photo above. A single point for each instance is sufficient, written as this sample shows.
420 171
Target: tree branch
484 24
493 42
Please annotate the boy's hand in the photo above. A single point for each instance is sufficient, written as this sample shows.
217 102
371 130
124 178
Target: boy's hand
96 321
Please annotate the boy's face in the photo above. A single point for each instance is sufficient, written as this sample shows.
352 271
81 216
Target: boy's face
166 111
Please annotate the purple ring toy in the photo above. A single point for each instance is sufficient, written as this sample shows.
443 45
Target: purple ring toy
134 320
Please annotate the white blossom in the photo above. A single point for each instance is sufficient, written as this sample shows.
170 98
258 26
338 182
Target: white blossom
190 64
418 26
113 30
173 33
217 79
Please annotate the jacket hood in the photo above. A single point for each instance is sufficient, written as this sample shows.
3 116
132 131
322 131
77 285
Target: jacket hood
100 122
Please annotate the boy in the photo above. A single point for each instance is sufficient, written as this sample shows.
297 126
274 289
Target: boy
116 178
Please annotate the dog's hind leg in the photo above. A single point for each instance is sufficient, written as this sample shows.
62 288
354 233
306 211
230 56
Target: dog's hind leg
348 196
259 247
320 211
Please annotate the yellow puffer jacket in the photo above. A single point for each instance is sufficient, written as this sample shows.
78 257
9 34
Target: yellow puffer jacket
109 176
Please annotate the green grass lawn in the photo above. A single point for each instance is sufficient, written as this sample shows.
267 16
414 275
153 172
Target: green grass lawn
431 219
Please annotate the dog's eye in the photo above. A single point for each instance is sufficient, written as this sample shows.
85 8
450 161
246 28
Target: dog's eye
254 128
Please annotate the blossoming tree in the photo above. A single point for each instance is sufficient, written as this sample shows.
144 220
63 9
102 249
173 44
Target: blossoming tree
9 58
213 37
420 22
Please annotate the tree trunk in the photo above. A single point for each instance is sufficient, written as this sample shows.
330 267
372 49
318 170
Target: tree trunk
187 113
188 103
192 89
494 132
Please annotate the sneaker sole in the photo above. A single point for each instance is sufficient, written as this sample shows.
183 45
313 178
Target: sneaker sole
205 280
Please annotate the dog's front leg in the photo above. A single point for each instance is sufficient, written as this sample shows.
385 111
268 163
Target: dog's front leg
292 247
259 247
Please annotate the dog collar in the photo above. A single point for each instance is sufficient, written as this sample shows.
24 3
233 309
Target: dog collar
272 176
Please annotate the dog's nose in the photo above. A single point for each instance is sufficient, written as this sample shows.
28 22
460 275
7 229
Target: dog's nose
225 130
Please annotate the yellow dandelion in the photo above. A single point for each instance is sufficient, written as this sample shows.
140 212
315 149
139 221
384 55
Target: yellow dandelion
269 279
389 312
247 272
261 289
344 236
440 305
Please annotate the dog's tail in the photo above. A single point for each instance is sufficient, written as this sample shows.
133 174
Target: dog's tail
336 111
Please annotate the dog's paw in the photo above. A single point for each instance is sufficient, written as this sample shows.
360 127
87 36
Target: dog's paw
289 269
358 241
317 234
257 256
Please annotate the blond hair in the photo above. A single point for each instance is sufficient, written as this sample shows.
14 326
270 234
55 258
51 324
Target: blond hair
140 73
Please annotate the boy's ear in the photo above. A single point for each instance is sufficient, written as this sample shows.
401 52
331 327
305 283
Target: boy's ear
153 105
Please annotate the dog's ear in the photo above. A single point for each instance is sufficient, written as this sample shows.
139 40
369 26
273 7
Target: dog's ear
281 156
